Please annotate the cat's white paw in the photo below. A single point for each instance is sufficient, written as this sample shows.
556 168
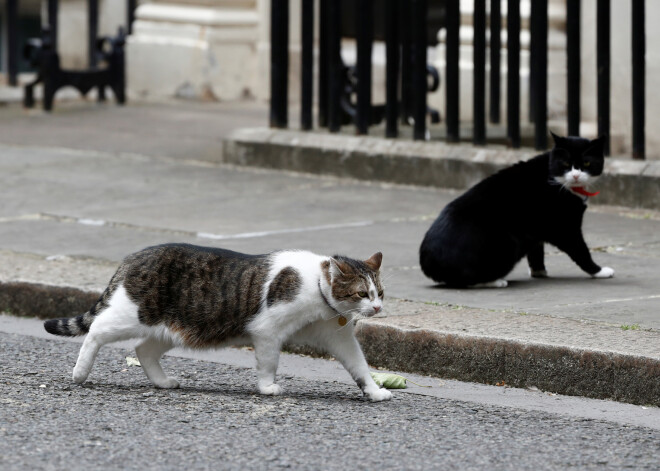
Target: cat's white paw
271 389
377 395
492 284
538 273
167 383
79 376
605 272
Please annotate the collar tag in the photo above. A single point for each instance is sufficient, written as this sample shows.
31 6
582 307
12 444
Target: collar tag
342 321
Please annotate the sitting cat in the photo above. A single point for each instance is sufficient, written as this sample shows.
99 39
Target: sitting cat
198 297
480 236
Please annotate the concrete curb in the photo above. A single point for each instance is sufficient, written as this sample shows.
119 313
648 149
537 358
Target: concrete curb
624 183
563 370
449 354
44 301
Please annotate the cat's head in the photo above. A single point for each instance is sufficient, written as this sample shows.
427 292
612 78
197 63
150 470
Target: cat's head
355 286
575 161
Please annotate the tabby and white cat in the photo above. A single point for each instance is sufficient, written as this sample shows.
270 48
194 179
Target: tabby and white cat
481 235
198 297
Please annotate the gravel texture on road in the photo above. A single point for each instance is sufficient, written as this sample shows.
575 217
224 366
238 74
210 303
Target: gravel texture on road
118 421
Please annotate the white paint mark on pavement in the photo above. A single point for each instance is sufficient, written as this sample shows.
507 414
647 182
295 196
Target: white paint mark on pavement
250 235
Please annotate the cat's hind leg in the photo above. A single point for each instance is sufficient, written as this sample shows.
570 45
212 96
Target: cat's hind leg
86 358
149 351
499 283
119 321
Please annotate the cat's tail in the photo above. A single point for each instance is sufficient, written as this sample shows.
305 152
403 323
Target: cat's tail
79 325
70 326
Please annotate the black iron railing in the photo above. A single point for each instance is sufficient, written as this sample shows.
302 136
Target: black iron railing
407 72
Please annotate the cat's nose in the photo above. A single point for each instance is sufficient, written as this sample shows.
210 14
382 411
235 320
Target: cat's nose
576 177
377 309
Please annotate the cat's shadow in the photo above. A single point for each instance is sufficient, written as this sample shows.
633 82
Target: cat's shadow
139 390
536 283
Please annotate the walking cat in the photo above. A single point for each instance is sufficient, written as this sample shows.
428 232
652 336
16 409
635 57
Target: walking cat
480 236
199 297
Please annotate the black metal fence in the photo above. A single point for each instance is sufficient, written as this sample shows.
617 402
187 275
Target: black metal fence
407 72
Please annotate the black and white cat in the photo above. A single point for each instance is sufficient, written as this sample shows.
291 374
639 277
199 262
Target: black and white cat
481 235
198 297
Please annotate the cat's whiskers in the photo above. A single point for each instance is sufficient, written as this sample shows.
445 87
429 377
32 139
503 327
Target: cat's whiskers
387 279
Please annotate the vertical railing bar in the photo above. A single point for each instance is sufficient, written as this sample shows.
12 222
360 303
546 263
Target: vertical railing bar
638 79
406 61
12 42
131 5
92 30
364 36
533 53
513 72
479 73
603 70
419 17
540 98
573 66
323 63
279 63
452 56
392 67
495 52
307 69
335 81
52 22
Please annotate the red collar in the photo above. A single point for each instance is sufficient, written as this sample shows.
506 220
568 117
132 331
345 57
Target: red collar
581 191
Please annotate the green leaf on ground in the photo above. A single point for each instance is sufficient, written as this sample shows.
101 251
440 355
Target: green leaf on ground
389 381
132 361
630 327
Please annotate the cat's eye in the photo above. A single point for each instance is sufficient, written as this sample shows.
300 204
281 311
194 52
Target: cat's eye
586 164
362 294
566 164
380 294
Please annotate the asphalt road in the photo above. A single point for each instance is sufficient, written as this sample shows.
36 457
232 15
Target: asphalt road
118 421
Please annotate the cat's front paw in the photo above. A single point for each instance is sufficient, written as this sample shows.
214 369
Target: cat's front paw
605 272
79 376
270 389
377 395
538 273
167 383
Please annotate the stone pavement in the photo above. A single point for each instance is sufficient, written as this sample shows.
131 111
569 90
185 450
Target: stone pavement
85 186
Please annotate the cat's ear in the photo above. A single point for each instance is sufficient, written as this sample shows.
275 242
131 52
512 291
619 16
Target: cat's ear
557 139
597 146
374 261
337 268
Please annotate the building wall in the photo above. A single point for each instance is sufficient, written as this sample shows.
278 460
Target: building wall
204 49
73 26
